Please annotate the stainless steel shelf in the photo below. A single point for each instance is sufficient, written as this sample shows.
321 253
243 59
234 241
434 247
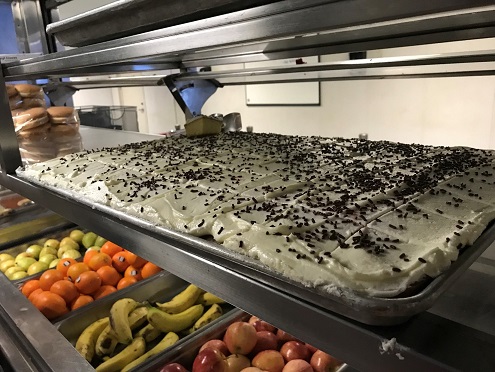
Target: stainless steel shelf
422 341
287 28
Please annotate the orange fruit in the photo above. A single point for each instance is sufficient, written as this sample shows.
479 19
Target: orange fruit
76 270
139 263
104 291
132 271
81 301
131 257
126 281
49 277
99 260
88 255
34 294
109 275
150 269
30 286
65 289
50 304
88 282
64 264
110 248
119 261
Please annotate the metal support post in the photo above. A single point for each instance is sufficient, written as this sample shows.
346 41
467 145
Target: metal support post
10 157
192 94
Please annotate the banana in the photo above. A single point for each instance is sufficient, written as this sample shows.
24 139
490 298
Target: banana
170 339
126 356
182 301
214 312
174 322
86 342
208 299
119 319
107 341
149 333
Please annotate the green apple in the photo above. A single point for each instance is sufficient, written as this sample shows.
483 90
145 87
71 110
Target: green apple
52 243
34 250
37 267
70 242
100 241
6 264
71 253
6 257
48 250
19 275
25 262
48 258
76 235
8 273
89 239
54 263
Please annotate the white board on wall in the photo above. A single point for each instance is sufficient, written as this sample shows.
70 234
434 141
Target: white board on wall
307 93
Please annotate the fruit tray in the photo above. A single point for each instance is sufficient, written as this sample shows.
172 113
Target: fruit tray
159 288
33 223
187 351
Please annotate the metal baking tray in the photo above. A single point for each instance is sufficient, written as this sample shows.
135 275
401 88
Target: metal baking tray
106 22
19 228
186 352
158 288
365 309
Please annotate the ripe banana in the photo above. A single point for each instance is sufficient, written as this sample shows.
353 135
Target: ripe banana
86 342
170 339
119 319
208 299
174 322
126 356
149 333
182 301
107 341
214 312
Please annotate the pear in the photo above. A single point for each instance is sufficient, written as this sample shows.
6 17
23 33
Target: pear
48 250
48 258
11 270
19 275
100 241
69 242
37 267
34 250
25 262
72 253
76 235
52 243
6 257
89 239
6 264
54 263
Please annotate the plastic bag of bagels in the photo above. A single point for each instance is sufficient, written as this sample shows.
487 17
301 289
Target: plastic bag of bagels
15 99
33 120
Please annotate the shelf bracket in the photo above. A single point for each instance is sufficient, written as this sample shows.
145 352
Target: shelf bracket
190 94
59 94
10 157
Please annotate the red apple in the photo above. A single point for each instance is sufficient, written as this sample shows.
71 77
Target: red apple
285 337
311 348
297 365
266 341
237 362
295 350
261 325
240 338
173 367
323 362
210 360
269 360
252 369
216 344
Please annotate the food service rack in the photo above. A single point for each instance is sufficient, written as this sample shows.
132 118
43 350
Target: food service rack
435 340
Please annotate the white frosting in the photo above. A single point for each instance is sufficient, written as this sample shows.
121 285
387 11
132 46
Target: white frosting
372 217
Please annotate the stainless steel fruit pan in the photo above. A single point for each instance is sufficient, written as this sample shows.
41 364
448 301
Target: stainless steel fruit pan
186 352
30 225
158 288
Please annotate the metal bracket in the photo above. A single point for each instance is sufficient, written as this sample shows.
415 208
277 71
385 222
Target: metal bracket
59 94
190 94
10 157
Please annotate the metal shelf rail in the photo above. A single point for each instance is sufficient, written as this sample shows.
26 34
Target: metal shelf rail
426 342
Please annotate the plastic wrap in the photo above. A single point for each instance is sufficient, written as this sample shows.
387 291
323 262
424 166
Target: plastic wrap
15 102
30 102
34 120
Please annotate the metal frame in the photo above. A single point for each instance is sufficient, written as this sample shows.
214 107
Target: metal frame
347 25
